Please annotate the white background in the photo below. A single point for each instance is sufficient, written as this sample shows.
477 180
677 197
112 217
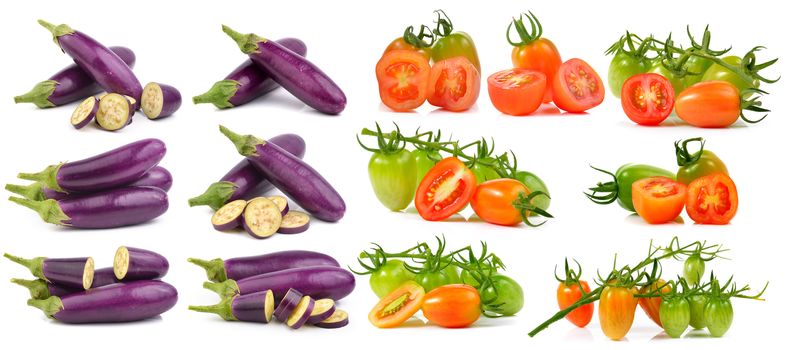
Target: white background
181 44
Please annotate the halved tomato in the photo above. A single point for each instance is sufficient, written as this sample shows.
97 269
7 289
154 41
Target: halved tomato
577 87
398 306
516 91
445 190
658 199
454 84
402 76
648 98
712 199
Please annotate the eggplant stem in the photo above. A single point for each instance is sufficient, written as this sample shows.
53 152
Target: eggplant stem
37 288
49 210
50 306
215 268
216 195
35 265
32 191
225 289
219 94
222 309
48 177
248 43
245 144
39 95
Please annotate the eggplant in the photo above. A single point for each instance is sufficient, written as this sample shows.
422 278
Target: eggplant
41 289
323 309
70 84
67 272
102 65
160 100
243 181
238 268
296 179
138 264
115 111
247 82
301 313
229 216
156 177
85 112
288 304
261 218
113 208
120 302
114 168
294 222
337 320
296 74
281 202
254 307
318 282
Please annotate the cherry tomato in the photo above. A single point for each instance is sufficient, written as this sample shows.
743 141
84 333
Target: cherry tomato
453 274
648 99
569 293
678 83
710 104
718 316
620 189
447 189
616 309
675 315
517 91
452 306
623 66
433 279
534 184
697 304
393 178
577 87
699 164
402 76
658 199
451 44
717 72
698 66
712 199
425 160
484 171
453 84
535 53
693 269
494 201
389 276
398 306
503 298
651 306
401 44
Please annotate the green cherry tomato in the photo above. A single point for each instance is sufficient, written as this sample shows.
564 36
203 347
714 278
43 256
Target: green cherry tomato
707 164
718 72
393 178
389 277
424 162
630 173
697 305
718 316
534 184
678 83
433 279
485 172
504 297
453 274
675 314
696 64
466 278
454 45
623 66
693 269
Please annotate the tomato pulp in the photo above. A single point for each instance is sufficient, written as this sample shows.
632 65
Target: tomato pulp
577 87
658 199
402 76
454 84
712 199
517 91
446 189
648 99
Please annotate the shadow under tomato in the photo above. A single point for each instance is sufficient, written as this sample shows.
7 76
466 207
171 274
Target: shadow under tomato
635 219
697 333
442 111
578 333
383 108
413 322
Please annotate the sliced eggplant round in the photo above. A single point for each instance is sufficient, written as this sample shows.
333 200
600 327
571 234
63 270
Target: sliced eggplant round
88 273
160 100
287 305
229 216
85 112
323 308
337 320
301 313
294 222
281 202
115 111
261 218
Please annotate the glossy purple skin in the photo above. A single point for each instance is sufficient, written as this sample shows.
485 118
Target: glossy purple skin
91 115
287 305
115 208
299 181
318 282
105 67
300 77
171 101
145 265
252 81
114 168
250 182
66 272
156 177
242 267
103 277
120 302
250 307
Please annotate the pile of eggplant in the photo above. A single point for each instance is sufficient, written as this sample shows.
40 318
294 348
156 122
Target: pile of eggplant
297 287
106 71
70 290
121 187
272 64
237 198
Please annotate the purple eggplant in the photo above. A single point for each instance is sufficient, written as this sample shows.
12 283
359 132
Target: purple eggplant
255 307
238 268
296 179
115 111
323 309
318 282
247 82
301 313
261 218
160 100
243 181
85 112
102 65
294 222
70 84
113 208
111 169
132 264
296 74
337 320
229 216
120 302
288 304
67 272
156 177
281 202
41 289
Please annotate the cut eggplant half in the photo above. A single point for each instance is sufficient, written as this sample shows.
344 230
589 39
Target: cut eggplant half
85 112
294 222
337 320
287 305
301 313
323 308
160 100
261 218
281 202
229 216
115 111
88 273
131 264
269 305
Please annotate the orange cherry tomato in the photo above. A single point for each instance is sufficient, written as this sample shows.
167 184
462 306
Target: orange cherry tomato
569 293
454 84
446 189
398 306
652 306
516 91
452 306
577 87
710 104
540 55
493 201
658 199
712 199
616 309
401 44
402 76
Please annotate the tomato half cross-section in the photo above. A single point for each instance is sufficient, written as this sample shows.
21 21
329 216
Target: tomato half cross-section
398 306
516 91
648 99
445 190
658 199
712 199
454 84
577 87
402 77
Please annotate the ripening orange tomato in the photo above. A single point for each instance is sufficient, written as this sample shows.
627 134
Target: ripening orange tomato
658 199
569 293
616 309
709 104
652 306
452 306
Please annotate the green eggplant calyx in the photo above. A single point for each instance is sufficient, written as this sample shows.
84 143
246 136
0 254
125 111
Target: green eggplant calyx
219 94
216 195
215 268
48 177
33 191
245 144
35 265
222 309
50 306
39 95
49 210
225 289
248 43
38 288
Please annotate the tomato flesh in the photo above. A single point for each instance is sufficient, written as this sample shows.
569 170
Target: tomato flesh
402 76
445 190
516 91
647 99
398 306
454 84
712 199
577 87
658 199
452 306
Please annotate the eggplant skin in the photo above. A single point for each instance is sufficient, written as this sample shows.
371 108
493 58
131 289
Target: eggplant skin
120 302
252 81
156 177
250 182
243 267
115 208
318 282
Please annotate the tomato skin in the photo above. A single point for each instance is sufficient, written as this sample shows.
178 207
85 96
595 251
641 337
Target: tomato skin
410 293
622 67
492 201
567 295
393 178
647 99
534 184
485 172
712 199
436 198
718 316
542 56
504 297
400 44
693 269
455 45
452 306
616 309
710 104
433 279
577 87
651 306
454 84
675 316
517 91
658 199
696 64
402 77
697 304
389 277
424 162
707 164
678 83
453 274
717 72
